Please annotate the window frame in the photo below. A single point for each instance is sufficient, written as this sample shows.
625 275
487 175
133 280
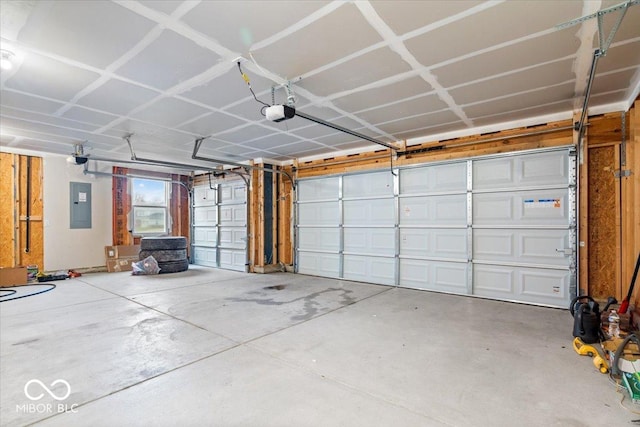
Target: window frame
137 206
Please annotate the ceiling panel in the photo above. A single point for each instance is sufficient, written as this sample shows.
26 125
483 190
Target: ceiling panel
239 24
302 146
621 56
532 78
432 130
118 97
43 76
31 103
313 131
164 6
629 27
407 15
419 122
249 109
613 81
272 141
290 57
349 75
371 98
607 98
510 116
244 134
89 116
211 124
503 22
422 105
557 45
84 30
230 88
212 144
517 102
46 119
153 133
499 62
178 57
232 150
45 131
169 112
338 138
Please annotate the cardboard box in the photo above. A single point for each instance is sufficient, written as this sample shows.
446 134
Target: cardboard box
121 251
13 276
120 264
120 257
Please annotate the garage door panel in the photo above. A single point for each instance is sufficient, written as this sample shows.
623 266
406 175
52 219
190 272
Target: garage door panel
540 169
318 189
233 237
370 212
434 242
233 259
368 185
533 285
233 215
369 269
371 241
434 275
319 264
493 281
537 246
321 239
205 215
205 256
545 286
434 210
442 178
510 216
525 208
207 236
220 213
233 193
321 213
203 196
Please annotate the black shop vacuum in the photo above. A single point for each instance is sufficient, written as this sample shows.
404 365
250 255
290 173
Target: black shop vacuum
586 319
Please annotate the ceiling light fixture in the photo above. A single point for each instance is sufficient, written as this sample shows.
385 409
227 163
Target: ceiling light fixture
6 59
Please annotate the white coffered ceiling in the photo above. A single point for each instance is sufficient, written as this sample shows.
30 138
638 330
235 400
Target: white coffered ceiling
92 72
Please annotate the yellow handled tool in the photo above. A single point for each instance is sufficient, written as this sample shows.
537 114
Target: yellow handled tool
588 350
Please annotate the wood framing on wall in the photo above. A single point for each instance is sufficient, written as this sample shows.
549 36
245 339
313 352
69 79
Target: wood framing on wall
631 196
21 210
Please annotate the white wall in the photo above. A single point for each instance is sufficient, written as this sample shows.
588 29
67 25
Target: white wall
66 248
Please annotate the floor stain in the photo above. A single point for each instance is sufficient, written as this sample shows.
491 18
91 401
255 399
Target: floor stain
275 287
27 341
310 307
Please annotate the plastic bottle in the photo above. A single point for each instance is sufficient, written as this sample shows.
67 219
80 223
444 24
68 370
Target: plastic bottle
614 324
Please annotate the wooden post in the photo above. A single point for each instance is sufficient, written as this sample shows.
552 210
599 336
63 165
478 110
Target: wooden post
631 202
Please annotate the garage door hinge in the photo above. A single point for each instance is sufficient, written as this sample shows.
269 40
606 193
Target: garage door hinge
565 251
623 173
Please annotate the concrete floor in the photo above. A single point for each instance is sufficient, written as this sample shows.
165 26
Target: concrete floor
211 347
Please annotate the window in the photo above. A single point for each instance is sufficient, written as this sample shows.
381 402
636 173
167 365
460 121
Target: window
150 202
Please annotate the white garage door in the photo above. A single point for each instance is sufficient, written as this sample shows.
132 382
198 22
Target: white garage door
220 225
500 227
